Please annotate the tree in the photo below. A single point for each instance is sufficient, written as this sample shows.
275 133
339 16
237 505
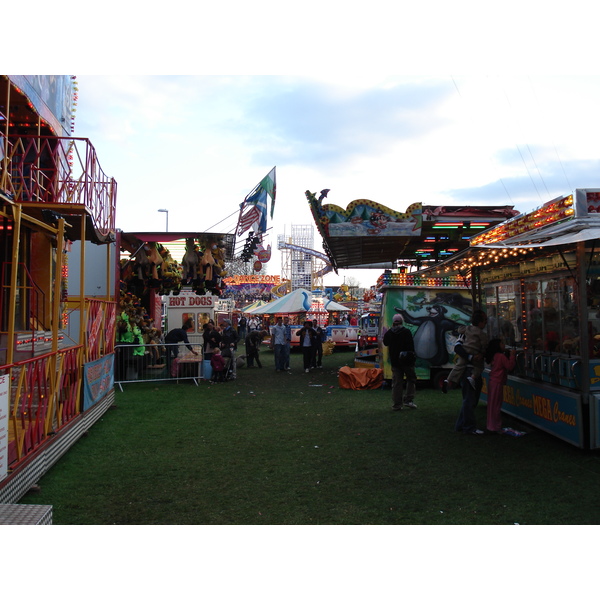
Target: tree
236 266
353 286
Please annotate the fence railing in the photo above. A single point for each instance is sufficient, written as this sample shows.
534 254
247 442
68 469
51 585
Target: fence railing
158 362
45 395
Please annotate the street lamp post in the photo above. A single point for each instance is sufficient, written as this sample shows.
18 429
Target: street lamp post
167 215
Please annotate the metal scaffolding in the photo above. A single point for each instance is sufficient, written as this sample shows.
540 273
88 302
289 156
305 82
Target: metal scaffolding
300 263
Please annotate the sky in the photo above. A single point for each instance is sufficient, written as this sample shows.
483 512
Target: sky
196 145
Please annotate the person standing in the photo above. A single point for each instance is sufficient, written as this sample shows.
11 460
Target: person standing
242 325
229 340
466 423
318 354
229 336
253 324
253 343
288 343
217 362
172 340
278 344
307 337
124 347
474 341
501 366
401 346
471 390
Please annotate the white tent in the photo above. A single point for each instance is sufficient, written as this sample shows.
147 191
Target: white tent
332 306
298 301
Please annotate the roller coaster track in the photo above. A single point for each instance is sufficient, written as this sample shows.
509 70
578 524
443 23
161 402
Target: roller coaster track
326 269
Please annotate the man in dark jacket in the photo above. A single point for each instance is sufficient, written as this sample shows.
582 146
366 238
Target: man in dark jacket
307 337
172 340
229 338
401 346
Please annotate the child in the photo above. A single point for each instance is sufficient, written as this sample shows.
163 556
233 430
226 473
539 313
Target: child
501 365
217 362
474 344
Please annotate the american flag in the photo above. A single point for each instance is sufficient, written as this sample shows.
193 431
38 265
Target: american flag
253 210
249 218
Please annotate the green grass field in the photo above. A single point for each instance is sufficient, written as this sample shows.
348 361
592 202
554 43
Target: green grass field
279 448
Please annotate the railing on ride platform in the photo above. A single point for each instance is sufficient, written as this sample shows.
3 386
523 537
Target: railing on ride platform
45 395
58 170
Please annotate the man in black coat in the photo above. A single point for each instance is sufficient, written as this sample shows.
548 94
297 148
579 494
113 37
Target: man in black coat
401 346
172 340
229 338
307 337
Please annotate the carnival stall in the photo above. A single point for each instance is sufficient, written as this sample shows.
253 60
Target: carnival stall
165 280
538 277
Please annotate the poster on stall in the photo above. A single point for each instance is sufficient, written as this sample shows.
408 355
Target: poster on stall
98 380
4 407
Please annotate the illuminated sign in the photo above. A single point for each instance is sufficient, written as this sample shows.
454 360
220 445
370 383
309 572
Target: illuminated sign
554 211
410 279
253 279
460 224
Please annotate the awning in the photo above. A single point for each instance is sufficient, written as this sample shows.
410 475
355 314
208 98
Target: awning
137 238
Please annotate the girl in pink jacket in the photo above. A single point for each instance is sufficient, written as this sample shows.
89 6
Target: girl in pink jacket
501 366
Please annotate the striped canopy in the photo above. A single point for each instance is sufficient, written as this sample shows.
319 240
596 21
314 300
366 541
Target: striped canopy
250 307
298 301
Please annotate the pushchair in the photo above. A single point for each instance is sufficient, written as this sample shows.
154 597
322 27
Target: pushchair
229 371
230 366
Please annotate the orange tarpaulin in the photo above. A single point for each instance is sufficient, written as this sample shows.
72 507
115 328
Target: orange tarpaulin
360 379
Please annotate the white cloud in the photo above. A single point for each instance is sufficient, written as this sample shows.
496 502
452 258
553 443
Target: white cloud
197 145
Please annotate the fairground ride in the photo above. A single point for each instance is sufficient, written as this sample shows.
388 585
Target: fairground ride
303 266
57 293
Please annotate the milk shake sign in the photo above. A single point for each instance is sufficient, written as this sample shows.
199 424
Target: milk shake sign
545 407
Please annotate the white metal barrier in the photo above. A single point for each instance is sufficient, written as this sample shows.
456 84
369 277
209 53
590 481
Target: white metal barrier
158 362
